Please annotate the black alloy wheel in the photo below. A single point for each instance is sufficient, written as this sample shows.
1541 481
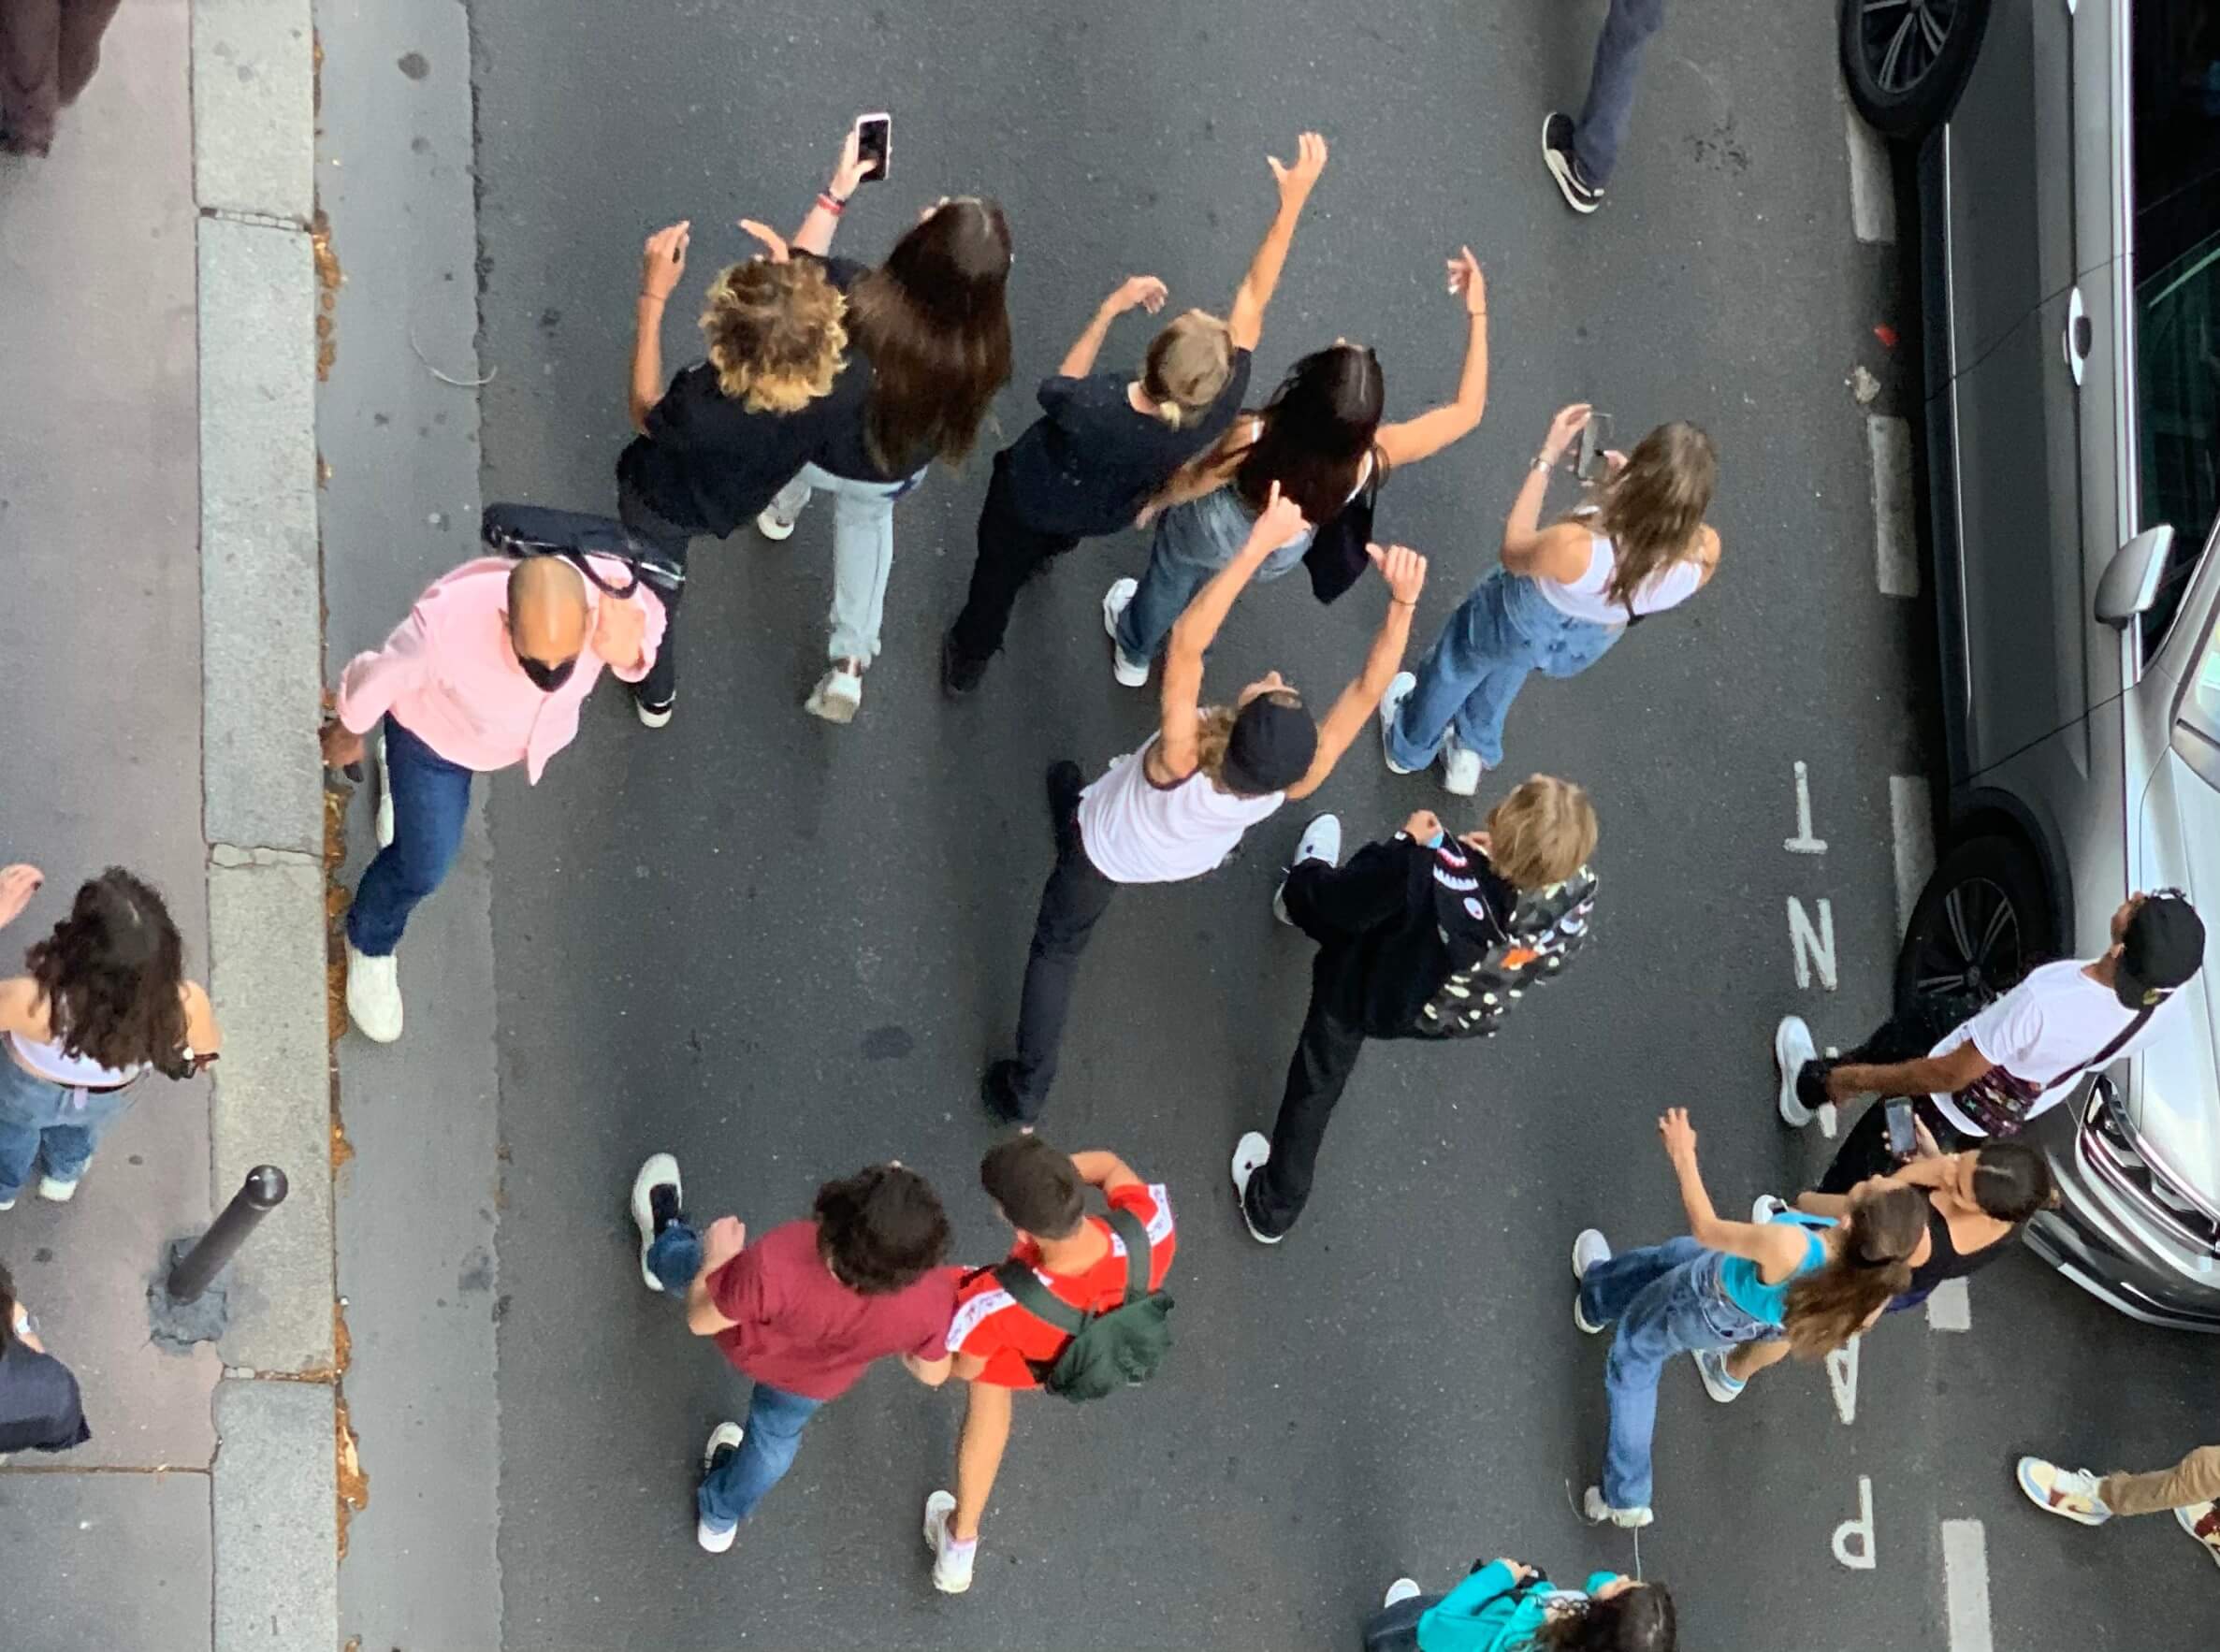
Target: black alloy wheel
1981 923
1904 60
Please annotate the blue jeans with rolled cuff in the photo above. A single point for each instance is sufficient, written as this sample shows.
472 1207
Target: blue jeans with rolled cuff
431 801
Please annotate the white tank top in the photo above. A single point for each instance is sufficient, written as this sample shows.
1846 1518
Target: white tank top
1584 598
77 1072
1136 831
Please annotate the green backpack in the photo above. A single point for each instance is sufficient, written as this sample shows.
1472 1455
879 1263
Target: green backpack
1119 1347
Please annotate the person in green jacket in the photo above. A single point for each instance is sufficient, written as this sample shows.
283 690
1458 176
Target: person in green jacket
1505 1606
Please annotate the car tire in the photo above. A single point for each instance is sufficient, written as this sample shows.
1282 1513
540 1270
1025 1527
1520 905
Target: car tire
1982 923
1902 82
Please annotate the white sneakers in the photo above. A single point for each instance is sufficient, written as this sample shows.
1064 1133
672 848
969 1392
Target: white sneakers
838 693
1598 1512
1711 1365
1250 1156
1391 705
1130 673
373 994
1588 1249
1765 1206
723 1439
1402 1589
772 525
1461 767
1321 840
951 1560
1791 1047
2071 1494
55 1191
654 716
659 1175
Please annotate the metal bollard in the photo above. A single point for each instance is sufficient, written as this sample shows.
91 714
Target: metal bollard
262 1191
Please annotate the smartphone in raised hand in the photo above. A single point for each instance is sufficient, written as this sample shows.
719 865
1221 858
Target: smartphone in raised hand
1903 1141
875 143
1595 441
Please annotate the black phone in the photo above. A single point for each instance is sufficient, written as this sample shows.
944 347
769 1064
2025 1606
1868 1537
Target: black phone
875 143
1595 440
1904 1140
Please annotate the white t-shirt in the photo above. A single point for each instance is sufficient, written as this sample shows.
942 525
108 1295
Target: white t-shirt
2047 1028
1137 831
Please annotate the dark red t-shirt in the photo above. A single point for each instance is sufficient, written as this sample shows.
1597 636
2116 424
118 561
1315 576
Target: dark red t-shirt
798 1328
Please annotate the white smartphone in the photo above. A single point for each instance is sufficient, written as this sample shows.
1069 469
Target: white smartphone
875 143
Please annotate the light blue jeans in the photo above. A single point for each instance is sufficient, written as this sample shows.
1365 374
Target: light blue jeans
1666 1299
57 1124
862 552
1473 672
1193 542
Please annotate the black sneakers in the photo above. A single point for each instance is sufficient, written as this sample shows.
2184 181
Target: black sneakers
1573 183
998 1091
958 672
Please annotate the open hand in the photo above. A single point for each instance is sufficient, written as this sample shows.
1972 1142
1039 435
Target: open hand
1403 568
1678 1135
619 632
18 884
1569 423
1141 291
1296 180
775 247
1465 278
663 260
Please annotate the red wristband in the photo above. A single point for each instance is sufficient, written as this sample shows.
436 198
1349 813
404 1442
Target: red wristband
831 202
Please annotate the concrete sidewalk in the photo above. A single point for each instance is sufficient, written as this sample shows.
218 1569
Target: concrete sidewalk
158 543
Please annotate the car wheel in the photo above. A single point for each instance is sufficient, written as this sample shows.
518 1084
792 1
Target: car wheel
1904 61
1982 923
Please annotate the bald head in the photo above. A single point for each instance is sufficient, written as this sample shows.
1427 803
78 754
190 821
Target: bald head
547 614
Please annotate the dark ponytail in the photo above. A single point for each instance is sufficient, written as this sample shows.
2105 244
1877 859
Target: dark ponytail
1640 1620
2012 1180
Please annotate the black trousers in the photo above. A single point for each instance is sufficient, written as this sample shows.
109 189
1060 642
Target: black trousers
1395 1629
661 685
1011 552
1077 895
1325 1056
1907 1035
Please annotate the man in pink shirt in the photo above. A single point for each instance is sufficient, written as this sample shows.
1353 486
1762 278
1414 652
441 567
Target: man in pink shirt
488 671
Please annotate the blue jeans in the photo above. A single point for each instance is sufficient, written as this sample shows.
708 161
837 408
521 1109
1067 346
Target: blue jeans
862 552
57 1124
1603 124
431 798
1193 542
1473 672
1666 1300
772 1432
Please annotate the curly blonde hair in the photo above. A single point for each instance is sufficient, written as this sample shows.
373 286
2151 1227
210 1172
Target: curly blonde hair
776 332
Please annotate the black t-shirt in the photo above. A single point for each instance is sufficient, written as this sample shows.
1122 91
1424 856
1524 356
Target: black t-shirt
835 421
1381 956
1091 462
706 462
40 1407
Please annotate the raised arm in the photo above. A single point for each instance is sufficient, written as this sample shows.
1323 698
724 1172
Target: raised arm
1178 750
1561 550
1406 571
1136 291
1428 433
662 261
815 234
1245 321
1774 1248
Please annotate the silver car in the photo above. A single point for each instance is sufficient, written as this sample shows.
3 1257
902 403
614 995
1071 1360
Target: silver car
2067 159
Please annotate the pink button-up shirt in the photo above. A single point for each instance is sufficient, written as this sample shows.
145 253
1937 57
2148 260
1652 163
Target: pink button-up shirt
447 672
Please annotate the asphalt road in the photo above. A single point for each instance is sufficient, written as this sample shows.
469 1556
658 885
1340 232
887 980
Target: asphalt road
781 950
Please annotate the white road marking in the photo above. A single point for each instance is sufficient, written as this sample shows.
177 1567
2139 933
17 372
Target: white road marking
1842 1376
1804 843
1814 948
1965 1584
1853 1541
1873 193
1896 544
1950 1307
1911 835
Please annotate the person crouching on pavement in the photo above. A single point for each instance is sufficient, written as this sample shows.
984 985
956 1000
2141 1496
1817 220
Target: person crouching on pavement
803 1312
488 671
1424 935
1507 1606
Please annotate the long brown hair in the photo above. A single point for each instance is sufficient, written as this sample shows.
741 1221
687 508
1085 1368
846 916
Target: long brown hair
933 321
1640 1620
1318 428
1653 510
1827 1308
112 977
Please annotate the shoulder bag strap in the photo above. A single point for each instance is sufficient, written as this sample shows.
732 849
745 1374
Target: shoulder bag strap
1036 1299
2140 1021
1130 1229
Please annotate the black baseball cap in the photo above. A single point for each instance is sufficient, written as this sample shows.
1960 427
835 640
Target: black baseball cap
1270 748
2164 946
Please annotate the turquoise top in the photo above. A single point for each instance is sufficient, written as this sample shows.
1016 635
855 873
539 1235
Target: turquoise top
1738 1275
1486 1614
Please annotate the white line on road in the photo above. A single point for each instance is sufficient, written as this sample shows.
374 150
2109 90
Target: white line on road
1966 1581
1895 546
1873 194
1804 843
1911 834
1950 1308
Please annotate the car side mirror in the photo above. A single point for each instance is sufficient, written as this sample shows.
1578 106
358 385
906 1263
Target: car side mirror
2131 579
